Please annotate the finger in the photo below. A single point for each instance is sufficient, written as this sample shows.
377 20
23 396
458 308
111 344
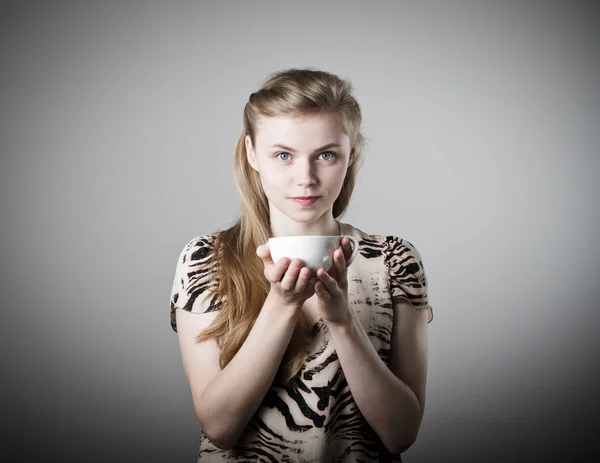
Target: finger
341 268
275 272
264 252
347 247
339 261
328 281
336 268
322 292
303 279
344 246
291 274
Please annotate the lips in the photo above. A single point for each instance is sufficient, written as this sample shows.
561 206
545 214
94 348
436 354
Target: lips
306 200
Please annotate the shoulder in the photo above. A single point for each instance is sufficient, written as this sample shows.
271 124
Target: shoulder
390 247
370 245
400 251
403 266
406 274
198 249
195 277
195 256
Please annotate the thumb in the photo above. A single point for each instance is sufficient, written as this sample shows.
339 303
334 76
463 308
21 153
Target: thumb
264 253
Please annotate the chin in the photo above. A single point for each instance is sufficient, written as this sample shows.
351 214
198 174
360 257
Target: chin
307 215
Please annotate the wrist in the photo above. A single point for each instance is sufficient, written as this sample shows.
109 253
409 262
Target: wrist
346 325
275 303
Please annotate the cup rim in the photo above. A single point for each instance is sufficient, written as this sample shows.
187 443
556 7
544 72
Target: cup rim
305 236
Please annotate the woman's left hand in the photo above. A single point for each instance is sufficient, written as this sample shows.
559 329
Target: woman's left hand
332 287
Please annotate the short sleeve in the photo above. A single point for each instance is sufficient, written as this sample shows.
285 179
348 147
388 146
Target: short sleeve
406 273
195 279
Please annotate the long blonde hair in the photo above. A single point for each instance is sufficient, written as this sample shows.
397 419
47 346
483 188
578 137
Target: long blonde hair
243 287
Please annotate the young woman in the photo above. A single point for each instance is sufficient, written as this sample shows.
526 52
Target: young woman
282 364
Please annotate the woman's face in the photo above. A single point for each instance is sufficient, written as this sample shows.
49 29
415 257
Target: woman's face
300 156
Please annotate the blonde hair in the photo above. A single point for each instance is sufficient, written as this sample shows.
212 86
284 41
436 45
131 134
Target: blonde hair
243 287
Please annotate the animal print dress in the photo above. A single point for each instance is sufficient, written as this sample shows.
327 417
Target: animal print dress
318 420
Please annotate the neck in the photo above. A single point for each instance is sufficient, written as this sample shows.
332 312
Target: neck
324 226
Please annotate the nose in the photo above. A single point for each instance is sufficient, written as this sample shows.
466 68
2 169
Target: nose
305 174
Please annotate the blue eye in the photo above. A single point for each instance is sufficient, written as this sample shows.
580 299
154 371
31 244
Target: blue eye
329 152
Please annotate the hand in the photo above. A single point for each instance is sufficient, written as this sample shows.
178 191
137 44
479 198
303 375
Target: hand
290 280
332 287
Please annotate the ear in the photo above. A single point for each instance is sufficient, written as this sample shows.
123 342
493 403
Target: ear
250 153
351 158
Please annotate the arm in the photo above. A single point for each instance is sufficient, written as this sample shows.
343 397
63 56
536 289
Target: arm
392 400
225 400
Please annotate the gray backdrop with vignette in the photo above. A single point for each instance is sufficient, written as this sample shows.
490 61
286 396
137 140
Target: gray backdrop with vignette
118 126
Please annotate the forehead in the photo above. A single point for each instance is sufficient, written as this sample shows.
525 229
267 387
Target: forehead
299 130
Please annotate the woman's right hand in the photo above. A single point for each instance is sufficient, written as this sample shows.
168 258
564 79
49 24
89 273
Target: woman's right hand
291 282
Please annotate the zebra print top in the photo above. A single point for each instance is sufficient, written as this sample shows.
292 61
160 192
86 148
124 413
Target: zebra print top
317 420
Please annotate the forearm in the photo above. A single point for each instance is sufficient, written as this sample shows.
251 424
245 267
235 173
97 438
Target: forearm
389 406
235 394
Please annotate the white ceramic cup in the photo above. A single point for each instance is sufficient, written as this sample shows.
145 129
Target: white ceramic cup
314 251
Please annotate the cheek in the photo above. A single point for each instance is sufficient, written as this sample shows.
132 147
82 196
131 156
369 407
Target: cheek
273 182
334 177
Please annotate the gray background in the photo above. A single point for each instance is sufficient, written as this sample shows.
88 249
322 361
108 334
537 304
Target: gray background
119 121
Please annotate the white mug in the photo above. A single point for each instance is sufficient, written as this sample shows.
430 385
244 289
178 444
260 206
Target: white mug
315 251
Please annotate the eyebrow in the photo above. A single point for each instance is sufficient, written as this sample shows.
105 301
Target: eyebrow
327 146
